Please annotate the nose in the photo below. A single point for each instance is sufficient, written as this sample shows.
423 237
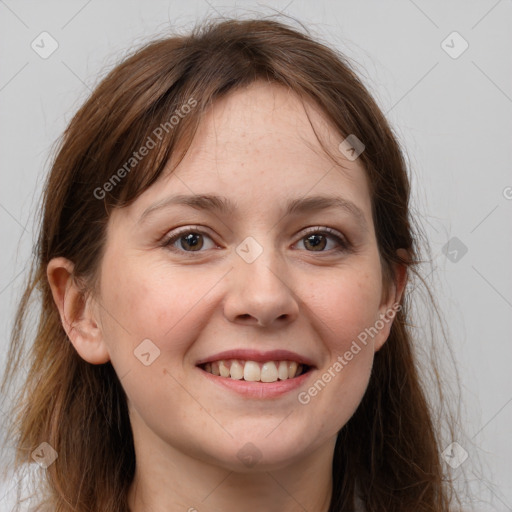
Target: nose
260 293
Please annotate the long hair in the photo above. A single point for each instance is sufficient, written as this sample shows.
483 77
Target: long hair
389 451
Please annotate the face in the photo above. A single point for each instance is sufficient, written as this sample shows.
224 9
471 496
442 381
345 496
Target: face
272 292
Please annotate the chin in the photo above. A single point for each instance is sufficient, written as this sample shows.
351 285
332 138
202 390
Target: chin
264 454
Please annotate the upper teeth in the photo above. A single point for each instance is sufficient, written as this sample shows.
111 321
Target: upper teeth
270 371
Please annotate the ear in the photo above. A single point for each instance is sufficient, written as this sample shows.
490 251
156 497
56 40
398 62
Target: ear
391 301
77 313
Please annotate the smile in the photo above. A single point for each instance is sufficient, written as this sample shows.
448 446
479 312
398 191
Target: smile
253 371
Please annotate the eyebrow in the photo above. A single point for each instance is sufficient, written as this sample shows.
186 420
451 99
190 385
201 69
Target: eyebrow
225 206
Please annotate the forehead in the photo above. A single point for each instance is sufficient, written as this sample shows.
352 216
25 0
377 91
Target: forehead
258 146
264 118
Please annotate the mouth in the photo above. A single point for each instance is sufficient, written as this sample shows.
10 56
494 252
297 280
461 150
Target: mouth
257 375
256 371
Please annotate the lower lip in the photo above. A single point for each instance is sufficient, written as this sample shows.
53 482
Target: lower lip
263 390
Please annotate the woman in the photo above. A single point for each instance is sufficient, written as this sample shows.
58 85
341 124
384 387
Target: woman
224 249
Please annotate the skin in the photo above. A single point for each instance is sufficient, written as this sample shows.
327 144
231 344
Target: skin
256 147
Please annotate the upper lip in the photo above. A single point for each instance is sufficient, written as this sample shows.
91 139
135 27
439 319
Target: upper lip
256 355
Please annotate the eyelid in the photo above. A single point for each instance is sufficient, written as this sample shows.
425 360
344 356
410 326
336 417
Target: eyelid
322 229
179 231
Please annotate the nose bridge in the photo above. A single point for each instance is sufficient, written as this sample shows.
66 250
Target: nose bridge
259 264
259 285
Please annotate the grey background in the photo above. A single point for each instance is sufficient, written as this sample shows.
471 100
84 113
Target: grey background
452 115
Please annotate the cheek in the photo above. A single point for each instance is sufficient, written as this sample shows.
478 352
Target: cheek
347 305
147 310
346 308
148 301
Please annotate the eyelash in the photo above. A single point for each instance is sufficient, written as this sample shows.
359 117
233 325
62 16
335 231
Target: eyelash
344 244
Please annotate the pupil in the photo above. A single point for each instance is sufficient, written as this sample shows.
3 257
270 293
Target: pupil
312 237
190 239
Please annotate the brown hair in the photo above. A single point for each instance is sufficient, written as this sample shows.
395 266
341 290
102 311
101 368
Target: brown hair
390 448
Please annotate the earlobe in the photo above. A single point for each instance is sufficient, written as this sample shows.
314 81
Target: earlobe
76 312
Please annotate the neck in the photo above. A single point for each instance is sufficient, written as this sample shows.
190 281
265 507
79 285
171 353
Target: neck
168 480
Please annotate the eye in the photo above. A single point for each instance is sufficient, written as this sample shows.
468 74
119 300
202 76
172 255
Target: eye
189 240
317 238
